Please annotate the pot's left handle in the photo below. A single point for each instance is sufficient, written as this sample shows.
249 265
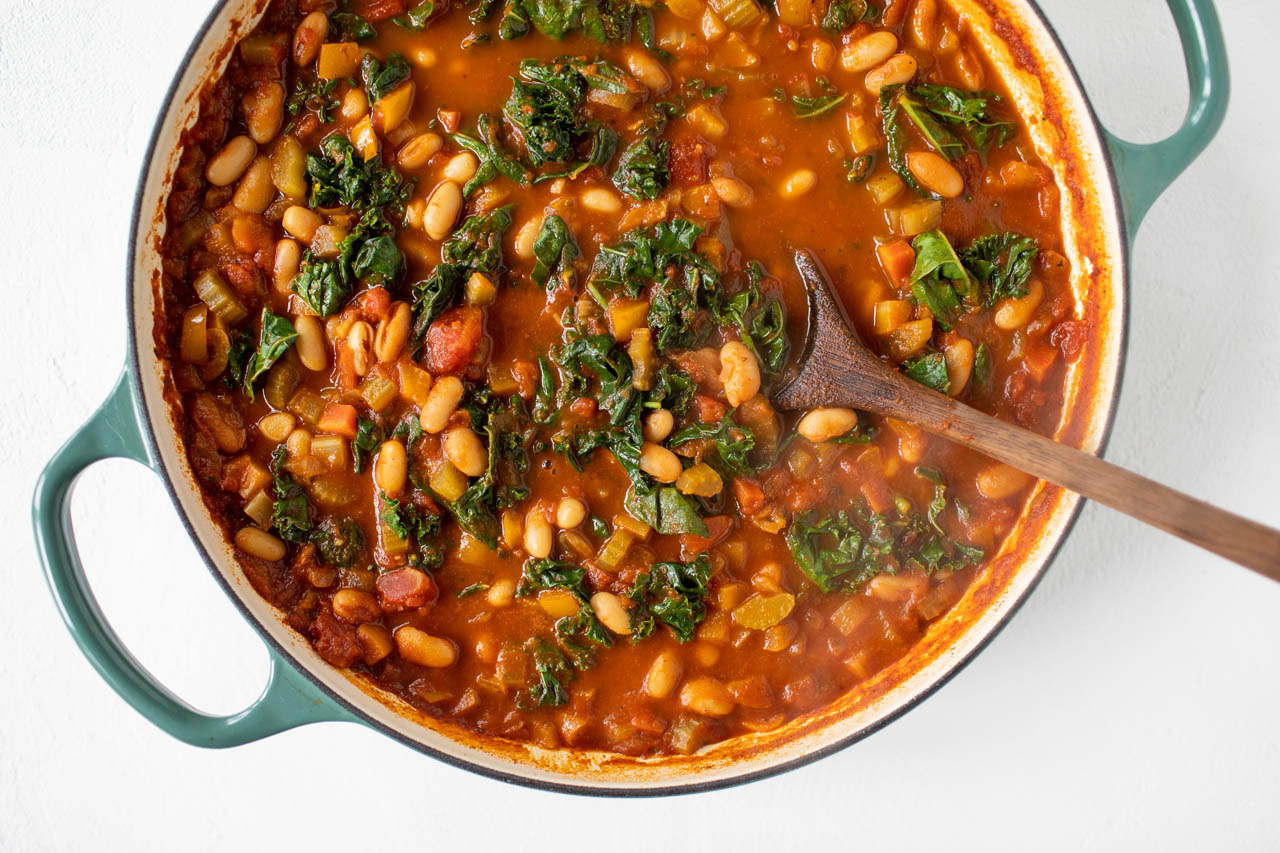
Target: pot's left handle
289 699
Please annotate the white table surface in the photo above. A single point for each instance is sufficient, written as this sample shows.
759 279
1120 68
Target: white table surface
1132 703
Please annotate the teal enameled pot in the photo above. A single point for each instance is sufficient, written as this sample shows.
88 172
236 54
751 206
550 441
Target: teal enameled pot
1106 184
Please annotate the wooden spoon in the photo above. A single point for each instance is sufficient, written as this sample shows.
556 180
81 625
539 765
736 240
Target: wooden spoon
836 369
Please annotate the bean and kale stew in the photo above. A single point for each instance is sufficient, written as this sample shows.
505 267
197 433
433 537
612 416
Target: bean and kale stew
474 311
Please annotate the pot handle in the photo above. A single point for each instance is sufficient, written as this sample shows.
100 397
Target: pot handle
289 699
1145 170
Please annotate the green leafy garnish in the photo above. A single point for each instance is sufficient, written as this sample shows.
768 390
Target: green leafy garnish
471 590
733 444
843 14
340 542
477 243
368 439
416 17
642 169
600 20
992 268
545 106
643 258
938 114
928 369
551 666
494 158
407 521
816 106
382 78
939 280
314 94
277 335
981 365
349 27
291 510
1002 263
553 251
760 321
848 548
673 594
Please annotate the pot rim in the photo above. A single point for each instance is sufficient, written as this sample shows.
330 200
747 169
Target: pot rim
1012 606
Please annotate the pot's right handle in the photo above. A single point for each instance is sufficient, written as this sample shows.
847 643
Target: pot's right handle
1145 170
289 698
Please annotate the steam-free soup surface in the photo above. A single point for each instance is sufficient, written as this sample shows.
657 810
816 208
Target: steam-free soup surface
473 314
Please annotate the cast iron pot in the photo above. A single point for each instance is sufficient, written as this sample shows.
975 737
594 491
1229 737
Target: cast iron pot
1106 184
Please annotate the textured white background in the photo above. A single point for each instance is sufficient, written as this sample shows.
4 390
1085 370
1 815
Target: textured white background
1131 704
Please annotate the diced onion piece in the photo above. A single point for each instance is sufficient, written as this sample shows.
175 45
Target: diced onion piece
414 383
260 508
213 290
638 528
378 392
307 405
219 353
909 338
736 13
644 360
333 491
447 481
193 346
262 48
392 542
331 450
764 611
615 548
501 380
573 540
282 381
190 232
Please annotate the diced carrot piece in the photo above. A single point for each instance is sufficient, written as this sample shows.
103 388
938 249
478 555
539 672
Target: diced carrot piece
338 59
347 377
749 494
897 259
364 139
1039 358
392 108
691 544
375 303
339 419
890 314
878 494
449 119
708 409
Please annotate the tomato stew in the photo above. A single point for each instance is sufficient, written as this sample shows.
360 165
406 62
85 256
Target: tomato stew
472 315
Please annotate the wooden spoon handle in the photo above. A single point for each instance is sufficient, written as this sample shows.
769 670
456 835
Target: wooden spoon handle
1246 542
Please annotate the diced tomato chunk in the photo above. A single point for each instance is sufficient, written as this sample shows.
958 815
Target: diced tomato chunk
691 545
405 589
335 640
339 419
1069 336
583 407
1039 358
452 340
375 303
708 409
897 259
688 162
749 495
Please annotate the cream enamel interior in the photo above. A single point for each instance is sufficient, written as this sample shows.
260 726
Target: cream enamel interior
1067 139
